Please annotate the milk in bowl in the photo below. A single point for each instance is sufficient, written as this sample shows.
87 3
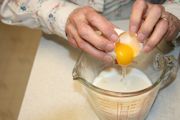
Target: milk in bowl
112 79
121 108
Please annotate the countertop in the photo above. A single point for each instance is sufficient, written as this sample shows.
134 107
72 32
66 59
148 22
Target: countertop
52 94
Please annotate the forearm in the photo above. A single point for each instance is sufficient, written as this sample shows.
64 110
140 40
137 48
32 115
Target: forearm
49 15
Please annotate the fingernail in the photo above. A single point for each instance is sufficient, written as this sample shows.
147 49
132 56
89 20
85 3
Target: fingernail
141 37
110 47
108 59
133 29
114 37
146 49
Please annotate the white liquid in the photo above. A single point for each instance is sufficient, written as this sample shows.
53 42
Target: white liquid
111 79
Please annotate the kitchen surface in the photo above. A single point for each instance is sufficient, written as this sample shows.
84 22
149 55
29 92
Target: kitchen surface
18 47
52 94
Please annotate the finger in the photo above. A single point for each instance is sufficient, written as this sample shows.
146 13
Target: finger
70 37
157 35
172 35
72 42
151 19
137 13
103 25
88 34
82 44
172 32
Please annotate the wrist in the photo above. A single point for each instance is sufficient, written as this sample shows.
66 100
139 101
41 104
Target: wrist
62 16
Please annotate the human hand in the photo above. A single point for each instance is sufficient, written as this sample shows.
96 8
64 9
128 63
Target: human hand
81 32
152 24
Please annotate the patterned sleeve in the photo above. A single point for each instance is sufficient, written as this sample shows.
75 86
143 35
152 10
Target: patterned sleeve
49 15
173 6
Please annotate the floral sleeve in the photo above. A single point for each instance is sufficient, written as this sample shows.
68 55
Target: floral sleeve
49 15
173 6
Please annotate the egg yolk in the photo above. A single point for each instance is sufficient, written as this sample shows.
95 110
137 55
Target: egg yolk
124 54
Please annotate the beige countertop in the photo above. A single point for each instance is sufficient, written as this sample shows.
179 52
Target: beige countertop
52 94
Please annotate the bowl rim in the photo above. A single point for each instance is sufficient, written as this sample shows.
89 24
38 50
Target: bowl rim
94 88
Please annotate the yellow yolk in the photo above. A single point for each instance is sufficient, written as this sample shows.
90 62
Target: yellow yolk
127 48
131 40
124 53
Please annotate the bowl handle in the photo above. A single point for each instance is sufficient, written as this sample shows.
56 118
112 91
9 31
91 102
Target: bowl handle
170 71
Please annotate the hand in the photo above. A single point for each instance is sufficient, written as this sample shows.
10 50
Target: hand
81 32
152 24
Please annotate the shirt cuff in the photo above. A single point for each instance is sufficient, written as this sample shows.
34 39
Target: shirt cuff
53 19
173 8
